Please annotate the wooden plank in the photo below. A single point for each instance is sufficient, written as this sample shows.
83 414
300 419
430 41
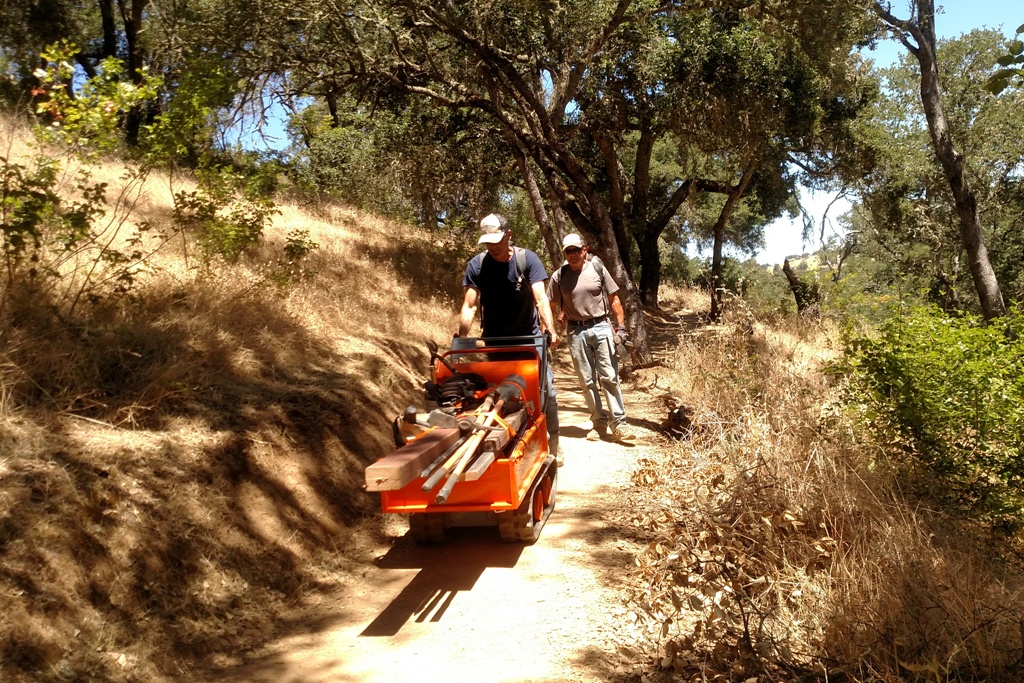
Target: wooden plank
497 440
478 467
394 471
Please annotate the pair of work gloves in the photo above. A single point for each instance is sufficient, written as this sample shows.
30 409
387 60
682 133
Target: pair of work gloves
620 337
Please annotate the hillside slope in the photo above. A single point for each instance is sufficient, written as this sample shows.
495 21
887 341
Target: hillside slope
181 468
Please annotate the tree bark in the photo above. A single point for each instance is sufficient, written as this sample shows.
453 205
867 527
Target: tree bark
132 16
647 237
805 294
109 48
540 213
723 218
953 166
650 267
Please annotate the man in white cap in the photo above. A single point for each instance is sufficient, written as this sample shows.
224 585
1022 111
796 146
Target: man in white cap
588 298
506 285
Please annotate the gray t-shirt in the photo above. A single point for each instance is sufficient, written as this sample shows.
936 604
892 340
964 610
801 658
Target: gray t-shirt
582 295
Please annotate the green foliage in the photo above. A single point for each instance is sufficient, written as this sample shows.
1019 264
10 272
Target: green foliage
187 125
949 393
1012 66
868 294
677 268
63 240
225 218
766 290
413 162
88 120
297 248
908 218
733 276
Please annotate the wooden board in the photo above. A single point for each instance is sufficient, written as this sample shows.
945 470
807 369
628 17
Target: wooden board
497 440
477 468
394 471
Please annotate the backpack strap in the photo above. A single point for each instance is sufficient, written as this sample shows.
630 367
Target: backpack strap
520 256
520 265
599 268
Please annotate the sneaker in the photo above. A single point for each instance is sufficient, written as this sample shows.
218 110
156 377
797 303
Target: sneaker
593 435
623 434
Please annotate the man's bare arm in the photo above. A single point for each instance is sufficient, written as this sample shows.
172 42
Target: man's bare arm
617 311
540 296
470 304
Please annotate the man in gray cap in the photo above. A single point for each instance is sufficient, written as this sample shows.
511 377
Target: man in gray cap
506 285
589 299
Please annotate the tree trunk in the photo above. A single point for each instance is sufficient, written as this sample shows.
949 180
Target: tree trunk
650 268
557 219
971 235
646 240
806 294
540 213
331 98
650 231
723 218
109 48
132 17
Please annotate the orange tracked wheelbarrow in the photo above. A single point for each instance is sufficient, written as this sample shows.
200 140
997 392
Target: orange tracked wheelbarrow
478 454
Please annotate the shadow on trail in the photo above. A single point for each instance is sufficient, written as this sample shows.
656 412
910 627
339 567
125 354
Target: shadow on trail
445 570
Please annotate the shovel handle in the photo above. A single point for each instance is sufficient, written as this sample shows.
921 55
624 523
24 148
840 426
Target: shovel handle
466 453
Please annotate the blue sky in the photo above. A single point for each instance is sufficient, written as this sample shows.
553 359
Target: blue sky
783 238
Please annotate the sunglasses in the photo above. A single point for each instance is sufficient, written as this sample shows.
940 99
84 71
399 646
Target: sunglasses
572 251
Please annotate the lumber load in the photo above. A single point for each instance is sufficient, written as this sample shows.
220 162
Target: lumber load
494 446
394 471
496 441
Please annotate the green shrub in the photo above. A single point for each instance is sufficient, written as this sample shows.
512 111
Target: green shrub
63 241
949 393
225 219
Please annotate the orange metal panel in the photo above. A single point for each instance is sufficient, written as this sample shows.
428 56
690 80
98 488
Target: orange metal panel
501 488
504 484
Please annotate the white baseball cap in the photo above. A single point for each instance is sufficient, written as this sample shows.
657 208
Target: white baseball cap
572 240
493 228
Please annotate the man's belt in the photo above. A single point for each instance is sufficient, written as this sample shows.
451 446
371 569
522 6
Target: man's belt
589 322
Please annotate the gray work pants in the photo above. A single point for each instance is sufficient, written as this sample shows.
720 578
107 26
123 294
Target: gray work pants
597 368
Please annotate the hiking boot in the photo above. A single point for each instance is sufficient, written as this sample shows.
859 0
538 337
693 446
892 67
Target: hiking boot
555 449
623 434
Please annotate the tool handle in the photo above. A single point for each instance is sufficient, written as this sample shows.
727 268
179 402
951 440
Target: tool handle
444 456
456 455
466 453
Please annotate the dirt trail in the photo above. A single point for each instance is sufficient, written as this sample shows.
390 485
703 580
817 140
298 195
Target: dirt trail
476 609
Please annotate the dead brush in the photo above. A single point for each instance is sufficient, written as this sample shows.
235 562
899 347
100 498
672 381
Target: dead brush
782 550
177 467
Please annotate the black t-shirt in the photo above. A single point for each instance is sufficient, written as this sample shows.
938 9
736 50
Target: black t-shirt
506 299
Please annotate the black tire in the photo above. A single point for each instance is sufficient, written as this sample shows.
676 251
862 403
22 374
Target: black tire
427 529
525 524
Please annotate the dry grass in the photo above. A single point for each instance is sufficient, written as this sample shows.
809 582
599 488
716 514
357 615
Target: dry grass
180 476
181 471
783 549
